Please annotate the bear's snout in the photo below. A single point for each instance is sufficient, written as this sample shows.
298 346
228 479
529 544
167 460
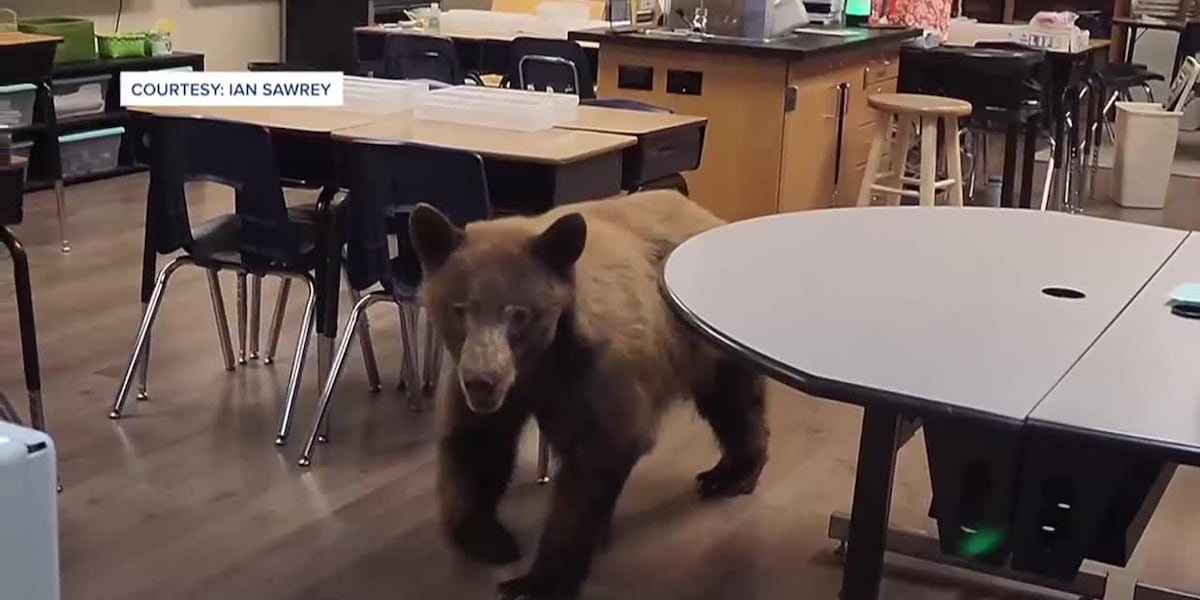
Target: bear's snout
481 393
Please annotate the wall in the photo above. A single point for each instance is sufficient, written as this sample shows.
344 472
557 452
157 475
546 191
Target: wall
229 32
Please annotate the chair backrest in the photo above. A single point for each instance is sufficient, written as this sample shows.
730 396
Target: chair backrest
237 155
419 56
387 181
559 65
1181 86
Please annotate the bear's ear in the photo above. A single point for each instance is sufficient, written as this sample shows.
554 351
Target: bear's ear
560 245
433 236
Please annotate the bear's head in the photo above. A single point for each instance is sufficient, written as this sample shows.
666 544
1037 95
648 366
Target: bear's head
496 293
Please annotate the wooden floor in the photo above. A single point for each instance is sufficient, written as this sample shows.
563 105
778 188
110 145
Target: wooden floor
188 498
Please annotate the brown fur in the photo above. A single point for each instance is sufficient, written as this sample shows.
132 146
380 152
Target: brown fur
584 342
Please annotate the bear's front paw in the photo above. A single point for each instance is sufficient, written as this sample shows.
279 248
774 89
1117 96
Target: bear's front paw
486 540
729 478
532 587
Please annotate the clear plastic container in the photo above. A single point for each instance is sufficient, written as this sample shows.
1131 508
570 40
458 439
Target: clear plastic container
16 104
564 106
381 96
90 152
483 112
80 96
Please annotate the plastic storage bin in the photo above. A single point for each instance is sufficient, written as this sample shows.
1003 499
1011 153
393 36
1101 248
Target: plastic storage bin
79 36
90 152
16 104
22 149
1146 136
80 96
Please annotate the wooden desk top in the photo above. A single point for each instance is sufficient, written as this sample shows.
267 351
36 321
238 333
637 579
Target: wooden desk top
555 146
1150 23
627 122
293 118
461 31
16 38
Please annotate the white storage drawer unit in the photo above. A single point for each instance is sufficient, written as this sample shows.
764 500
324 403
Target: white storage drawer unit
28 515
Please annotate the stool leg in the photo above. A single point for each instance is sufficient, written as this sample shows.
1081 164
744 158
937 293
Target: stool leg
241 317
255 313
953 159
899 156
929 133
883 127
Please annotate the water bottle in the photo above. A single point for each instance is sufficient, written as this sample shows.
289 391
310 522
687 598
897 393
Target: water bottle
435 18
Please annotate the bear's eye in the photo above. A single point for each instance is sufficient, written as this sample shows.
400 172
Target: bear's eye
517 316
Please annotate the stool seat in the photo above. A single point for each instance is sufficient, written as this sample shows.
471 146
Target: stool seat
919 104
924 114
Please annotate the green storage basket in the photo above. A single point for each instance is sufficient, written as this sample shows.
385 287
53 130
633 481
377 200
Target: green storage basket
121 45
79 36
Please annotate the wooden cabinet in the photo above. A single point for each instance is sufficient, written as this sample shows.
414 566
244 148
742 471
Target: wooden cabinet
785 132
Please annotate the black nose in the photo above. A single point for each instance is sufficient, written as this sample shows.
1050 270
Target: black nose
478 386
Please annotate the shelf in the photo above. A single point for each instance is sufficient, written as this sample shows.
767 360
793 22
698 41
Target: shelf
136 63
35 185
104 118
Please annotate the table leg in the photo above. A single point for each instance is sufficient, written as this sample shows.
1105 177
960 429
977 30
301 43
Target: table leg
1010 165
872 504
1030 148
29 350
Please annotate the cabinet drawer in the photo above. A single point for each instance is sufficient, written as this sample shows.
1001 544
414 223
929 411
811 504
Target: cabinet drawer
659 155
858 146
880 70
862 114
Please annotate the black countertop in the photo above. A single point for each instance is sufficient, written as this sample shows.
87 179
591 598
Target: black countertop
800 45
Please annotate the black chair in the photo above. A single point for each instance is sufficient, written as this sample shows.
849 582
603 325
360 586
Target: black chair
12 182
420 56
386 182
261 237
545 64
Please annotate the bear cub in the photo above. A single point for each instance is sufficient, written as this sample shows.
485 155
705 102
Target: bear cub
560 318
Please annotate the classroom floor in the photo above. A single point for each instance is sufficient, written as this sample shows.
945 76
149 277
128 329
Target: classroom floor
188 498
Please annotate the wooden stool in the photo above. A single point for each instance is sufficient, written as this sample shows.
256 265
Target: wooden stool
909 110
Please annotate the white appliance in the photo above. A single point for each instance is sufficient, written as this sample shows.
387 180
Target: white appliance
28 515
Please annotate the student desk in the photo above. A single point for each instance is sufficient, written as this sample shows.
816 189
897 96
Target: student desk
529 171
965 321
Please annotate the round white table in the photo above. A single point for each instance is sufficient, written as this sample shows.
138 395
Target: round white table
912 313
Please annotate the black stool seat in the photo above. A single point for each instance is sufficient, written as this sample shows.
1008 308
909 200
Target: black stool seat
1127 78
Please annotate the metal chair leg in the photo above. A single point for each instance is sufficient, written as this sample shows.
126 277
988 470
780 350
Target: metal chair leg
543 459
432 362
255 313
408 365
241 318
220 318
320 427
29 348
60 199
277 320
1049 177
141 352
367 346
293 391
